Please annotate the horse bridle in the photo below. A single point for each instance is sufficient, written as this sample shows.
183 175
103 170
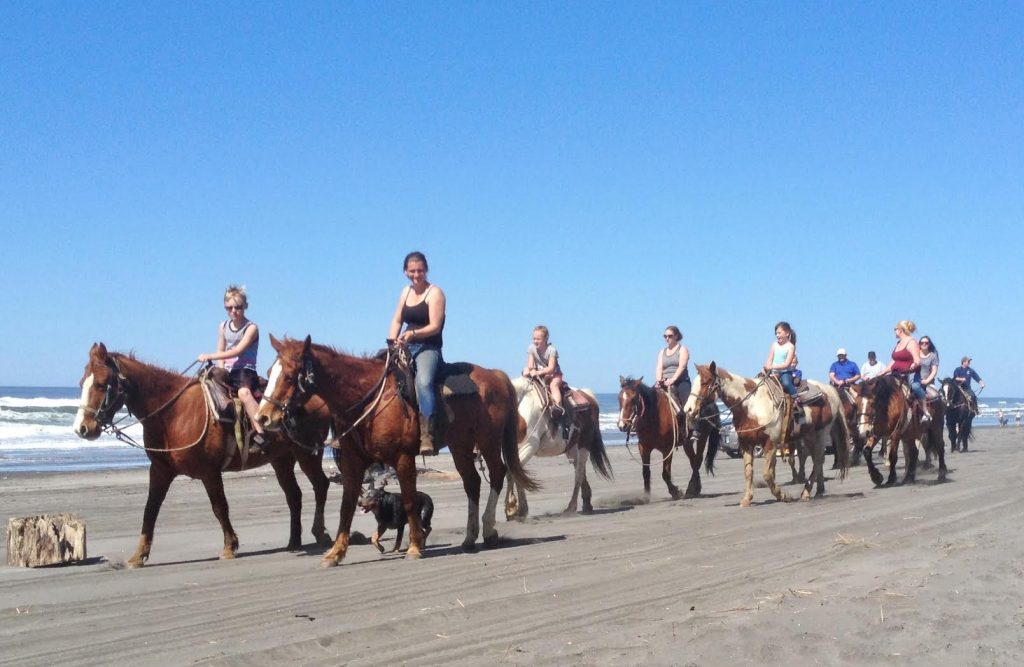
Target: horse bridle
639 407
113 397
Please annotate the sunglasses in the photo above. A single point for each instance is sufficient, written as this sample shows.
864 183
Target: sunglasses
924 342
234 308
668 336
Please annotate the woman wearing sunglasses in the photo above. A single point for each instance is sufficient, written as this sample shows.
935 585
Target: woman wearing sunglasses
238 341
671 372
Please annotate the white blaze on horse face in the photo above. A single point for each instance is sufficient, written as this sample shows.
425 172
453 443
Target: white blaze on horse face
690 406
862 424
80 415
275 375
622 409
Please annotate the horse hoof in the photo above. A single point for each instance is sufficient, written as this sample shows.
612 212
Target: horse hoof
134 563
413 554
328 562
491 540
294 546
227 555
744 503
469 547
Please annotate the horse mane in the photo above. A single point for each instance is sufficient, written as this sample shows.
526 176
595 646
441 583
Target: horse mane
885 386
158 377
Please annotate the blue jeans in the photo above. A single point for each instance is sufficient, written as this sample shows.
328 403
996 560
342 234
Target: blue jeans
428 360
786 380
916 388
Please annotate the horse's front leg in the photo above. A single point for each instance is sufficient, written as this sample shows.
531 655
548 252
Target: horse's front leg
353 468
214 484
312 466
284 469
894 448
873 472
910 459
406 469
645 468
160 478
748 474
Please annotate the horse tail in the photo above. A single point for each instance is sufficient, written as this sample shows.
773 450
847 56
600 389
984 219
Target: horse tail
598 454
510 441
714 437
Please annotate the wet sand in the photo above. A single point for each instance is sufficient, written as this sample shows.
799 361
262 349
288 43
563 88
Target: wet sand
922 574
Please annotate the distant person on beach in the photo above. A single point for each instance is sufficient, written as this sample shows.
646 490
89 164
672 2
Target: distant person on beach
843 372
542 363
928 371
421 310
1002 418
238 340
963 377
781 360
1017 418
871 368
906 359
671 372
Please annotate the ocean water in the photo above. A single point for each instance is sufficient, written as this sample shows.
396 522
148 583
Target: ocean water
36 435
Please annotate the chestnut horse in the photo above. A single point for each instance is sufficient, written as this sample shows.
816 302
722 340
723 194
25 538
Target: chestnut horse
537 438
884 413
647 412
181 437
378 425
758 420
959 416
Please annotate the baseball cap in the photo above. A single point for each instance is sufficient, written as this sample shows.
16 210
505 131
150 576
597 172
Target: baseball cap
841 351
965 359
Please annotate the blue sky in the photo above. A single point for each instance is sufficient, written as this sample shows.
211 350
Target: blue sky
605 169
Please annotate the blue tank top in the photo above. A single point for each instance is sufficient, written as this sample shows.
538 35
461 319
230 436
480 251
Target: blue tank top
780 355
232 339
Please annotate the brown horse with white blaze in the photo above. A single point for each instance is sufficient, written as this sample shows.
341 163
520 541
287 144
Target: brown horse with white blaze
759 420
181 437
885 414
377 425
646 411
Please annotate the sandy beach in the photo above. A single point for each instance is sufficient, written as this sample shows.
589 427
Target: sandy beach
923 574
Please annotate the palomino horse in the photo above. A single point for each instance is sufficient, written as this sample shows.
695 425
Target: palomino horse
538 438
364 398
758 420
647 412
959 416
884 413
182 438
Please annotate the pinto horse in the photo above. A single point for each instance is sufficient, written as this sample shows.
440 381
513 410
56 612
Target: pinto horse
884 413
808 439
181 437
758 420
537 438
377 425
647 412
959 416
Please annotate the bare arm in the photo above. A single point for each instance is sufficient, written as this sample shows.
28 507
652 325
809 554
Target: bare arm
251 333
658 367
396 319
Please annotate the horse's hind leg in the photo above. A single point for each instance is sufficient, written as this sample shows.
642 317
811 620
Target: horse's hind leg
406 470
312 466
215 490
910 456
284 468
695 455
496 470
160 479
471 485
666 474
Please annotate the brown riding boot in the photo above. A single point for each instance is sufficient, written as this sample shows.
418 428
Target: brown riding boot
426 437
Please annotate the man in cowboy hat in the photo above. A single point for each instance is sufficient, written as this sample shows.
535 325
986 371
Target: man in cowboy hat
963 377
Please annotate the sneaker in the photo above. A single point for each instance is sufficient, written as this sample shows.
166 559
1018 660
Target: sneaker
925 418
257 445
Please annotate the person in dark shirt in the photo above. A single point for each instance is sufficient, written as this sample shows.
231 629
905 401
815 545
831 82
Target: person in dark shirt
963 376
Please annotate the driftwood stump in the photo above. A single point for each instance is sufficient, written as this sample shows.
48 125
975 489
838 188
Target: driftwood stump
45 540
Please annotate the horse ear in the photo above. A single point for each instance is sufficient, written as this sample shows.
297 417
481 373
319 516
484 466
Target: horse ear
713 368
622 381
275 343
306 344
640 380
100 349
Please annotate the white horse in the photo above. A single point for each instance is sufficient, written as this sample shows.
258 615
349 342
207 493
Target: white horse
538 438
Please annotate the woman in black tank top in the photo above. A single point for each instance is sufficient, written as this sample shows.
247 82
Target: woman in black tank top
421 311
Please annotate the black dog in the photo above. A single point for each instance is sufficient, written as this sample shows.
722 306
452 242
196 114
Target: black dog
388 509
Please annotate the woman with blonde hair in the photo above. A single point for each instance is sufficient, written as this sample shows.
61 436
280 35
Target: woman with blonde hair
906 360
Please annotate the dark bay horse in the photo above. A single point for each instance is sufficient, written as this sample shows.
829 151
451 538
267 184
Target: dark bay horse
377 425
959 416
537 438
181 437
760 420
885 414
647 412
